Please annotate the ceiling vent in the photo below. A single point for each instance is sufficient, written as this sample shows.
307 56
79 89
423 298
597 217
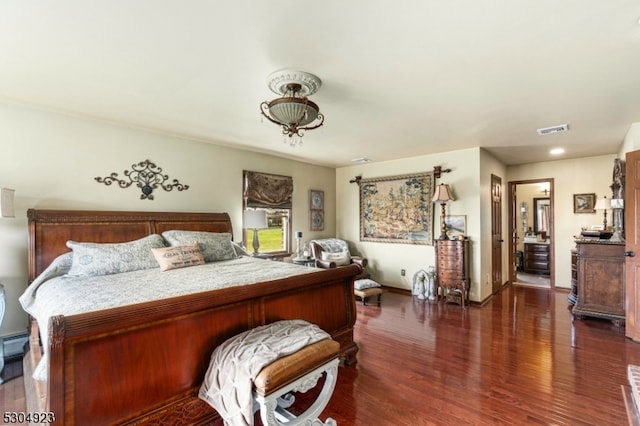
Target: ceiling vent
554 129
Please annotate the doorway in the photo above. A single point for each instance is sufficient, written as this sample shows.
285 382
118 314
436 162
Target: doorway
531 246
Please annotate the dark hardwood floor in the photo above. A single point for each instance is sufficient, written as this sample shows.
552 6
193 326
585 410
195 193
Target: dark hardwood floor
520 359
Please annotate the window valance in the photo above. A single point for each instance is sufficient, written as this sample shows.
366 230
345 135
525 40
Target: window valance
264 190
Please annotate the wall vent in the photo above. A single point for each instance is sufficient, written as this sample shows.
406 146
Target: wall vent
554 129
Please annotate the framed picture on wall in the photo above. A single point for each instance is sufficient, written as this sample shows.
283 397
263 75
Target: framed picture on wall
316 199
316 220
316 210
456 225
584 203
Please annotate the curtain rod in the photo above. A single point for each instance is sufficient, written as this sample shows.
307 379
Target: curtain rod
437 172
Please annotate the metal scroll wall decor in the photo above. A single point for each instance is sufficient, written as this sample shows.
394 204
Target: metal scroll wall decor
147 176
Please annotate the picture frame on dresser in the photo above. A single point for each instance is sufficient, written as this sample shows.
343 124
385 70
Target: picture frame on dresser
456 225
584 203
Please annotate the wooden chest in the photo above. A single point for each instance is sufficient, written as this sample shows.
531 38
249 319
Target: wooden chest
452 268
600 281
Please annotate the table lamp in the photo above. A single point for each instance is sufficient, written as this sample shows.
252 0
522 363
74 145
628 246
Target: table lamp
442 195
603 204
255 219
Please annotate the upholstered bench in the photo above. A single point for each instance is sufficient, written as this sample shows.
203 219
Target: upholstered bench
365 293
298 372
261 368
365 288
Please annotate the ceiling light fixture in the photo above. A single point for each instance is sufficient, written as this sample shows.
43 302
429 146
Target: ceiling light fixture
556 151
294 112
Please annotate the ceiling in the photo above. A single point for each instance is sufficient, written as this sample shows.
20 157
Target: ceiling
399 79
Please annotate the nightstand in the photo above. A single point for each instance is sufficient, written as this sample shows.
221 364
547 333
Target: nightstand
306 261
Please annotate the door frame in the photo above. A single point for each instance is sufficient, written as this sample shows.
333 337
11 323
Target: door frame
514 222
497 234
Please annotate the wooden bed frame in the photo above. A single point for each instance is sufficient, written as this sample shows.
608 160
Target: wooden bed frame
144 363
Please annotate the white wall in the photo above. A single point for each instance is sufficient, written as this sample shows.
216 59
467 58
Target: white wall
51 161
386 260
577 176
631 141
490 166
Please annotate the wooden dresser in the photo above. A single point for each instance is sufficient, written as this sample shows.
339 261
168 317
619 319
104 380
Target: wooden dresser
600 280
573 294
452 269
536 258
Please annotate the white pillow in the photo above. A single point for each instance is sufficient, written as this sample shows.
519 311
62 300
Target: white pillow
365 283
341 258
214 246
91 259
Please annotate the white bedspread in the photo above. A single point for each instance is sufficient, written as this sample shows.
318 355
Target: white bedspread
228 384
54 293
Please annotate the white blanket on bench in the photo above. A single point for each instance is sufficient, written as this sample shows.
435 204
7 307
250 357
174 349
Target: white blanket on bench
228 384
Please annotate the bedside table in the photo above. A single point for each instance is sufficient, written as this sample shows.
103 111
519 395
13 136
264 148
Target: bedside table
306 261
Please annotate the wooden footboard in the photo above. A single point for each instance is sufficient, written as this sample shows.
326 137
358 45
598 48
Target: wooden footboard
144 363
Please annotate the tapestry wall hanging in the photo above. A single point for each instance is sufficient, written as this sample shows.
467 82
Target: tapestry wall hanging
397 209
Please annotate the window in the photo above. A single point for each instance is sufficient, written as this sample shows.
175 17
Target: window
273 194
275 239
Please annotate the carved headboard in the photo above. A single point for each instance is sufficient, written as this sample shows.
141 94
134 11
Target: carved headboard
49 230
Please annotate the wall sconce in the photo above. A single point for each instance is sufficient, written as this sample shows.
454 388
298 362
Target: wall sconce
442 195
7 208
255 219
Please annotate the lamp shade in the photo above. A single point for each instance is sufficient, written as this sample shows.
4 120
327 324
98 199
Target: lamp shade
6 202
603 204
443 194
255 219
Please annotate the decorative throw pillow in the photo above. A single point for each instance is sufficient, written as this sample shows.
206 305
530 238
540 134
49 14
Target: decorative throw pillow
365 283
90 259
342 258
178 256
215 246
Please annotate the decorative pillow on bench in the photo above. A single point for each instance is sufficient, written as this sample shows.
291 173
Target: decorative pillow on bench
365 283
